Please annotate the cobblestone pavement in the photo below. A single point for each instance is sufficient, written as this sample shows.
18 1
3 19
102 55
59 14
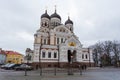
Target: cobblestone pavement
89 74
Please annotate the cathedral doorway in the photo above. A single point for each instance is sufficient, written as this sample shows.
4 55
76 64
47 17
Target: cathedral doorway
71 56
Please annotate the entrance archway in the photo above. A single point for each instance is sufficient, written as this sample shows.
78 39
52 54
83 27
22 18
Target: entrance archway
73 54
69 55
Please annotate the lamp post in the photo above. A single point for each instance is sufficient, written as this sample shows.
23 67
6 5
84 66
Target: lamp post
71 64
89 57
27 58
70 70
40 67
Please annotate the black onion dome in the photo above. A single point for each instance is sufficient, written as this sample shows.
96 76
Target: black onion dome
55 15
68 21
45 15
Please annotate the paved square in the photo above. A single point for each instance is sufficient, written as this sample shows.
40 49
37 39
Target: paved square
89 74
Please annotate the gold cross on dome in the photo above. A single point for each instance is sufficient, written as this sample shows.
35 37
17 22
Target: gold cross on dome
46 7
55 7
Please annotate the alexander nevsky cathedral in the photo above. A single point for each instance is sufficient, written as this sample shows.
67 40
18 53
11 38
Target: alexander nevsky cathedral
55 44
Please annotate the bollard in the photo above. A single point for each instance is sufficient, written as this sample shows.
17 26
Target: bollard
80 70
55 70
25 72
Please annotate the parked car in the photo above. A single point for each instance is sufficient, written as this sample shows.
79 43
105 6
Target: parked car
9 65
12 66
4 66
23 67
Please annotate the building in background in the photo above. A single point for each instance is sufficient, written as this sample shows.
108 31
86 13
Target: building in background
2 57
28 58
14 57
55 44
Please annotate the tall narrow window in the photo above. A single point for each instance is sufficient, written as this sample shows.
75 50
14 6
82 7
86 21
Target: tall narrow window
61 40
70 29
45 24
82 56
44 41
55 55
43 54
49 54
57 40
86 56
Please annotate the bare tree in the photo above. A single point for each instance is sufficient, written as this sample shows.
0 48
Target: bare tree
107 48
116 51
106 53
97 52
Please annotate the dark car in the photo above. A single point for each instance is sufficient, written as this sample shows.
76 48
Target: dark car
12 66
24 67
4 66
9 66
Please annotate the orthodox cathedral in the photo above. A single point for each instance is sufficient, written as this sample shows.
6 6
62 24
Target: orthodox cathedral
55 44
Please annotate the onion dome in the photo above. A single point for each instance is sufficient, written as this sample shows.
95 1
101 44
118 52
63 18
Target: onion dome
45 15
55 15
68 21
28 49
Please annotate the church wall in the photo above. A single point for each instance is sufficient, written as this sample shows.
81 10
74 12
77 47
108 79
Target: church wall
52 38
47 36
63 54
78 55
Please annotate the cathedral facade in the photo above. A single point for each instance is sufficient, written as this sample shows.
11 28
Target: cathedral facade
55 44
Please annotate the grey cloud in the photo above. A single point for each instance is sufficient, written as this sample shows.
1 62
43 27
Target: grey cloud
18 16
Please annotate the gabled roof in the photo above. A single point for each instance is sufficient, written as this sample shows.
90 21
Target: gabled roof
2 52
12 53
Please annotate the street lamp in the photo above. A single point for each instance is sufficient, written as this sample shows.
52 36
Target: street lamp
89 57
71 64
27 58
71 61
40 66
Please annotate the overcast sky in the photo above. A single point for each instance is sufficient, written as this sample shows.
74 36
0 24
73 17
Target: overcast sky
94 20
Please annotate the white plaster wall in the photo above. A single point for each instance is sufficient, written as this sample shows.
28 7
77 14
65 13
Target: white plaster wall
63 54
36 53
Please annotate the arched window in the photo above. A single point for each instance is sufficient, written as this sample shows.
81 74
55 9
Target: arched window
43 54
44 41
49 54
86 56
55 55
61 40
70 29
63 30
60 30
82 56
57 40
45 24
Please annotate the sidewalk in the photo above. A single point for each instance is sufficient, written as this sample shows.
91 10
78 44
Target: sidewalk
48 76
89 74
